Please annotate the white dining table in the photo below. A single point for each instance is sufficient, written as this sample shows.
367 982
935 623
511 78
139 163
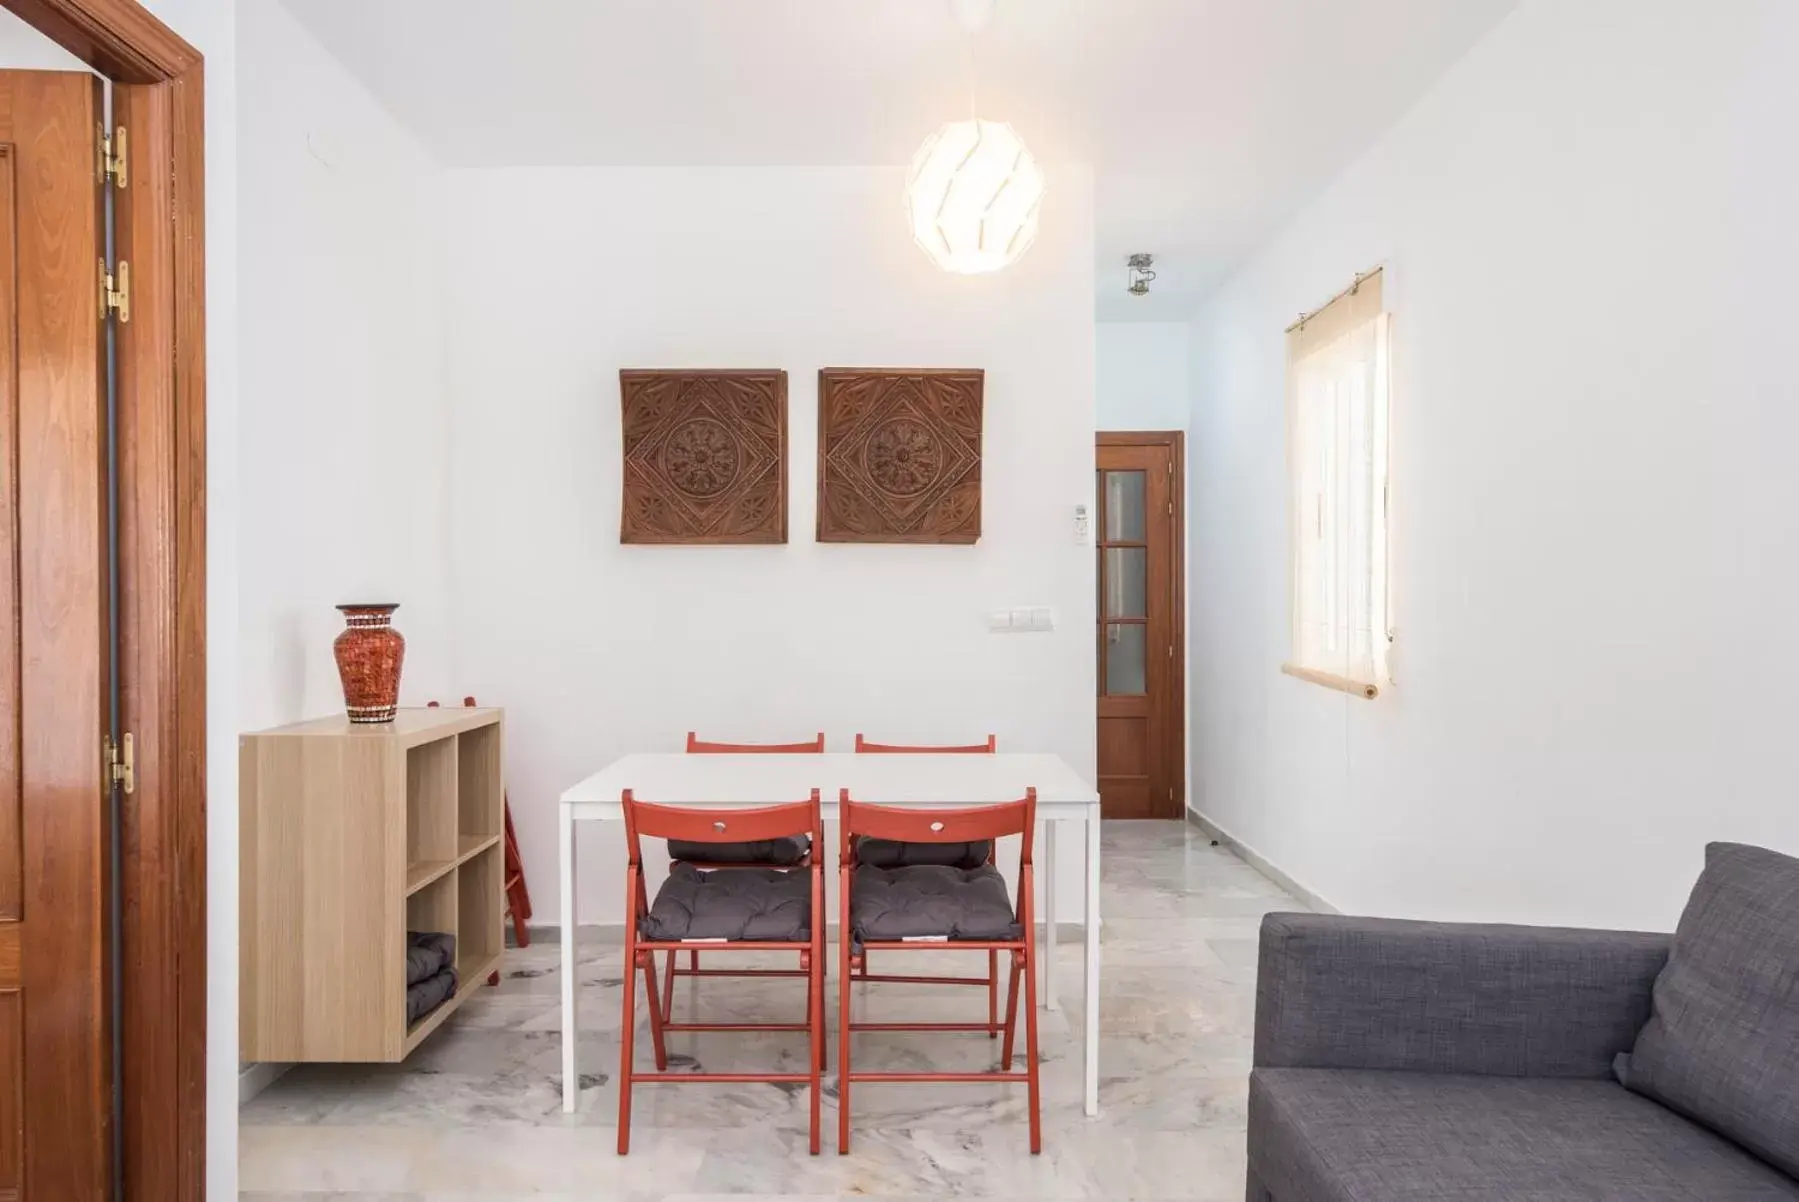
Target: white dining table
727 781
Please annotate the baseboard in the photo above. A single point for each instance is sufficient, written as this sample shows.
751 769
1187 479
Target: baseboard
252 1079
1260 863
613 933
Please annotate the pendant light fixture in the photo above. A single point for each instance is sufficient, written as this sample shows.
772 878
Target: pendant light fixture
974 190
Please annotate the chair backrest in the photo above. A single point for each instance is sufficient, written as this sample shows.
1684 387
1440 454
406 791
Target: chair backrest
698 746
657 821
988 748
959 824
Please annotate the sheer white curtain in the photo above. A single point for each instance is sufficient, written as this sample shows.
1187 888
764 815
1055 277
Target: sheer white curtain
1338 373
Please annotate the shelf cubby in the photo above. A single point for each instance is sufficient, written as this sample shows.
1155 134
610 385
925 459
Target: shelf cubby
480 919
431 818
480 793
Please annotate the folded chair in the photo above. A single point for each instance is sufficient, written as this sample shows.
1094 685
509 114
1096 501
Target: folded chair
886 853
748 909
787 853
933 907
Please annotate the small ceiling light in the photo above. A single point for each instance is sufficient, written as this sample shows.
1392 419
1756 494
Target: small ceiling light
974 190
1140 275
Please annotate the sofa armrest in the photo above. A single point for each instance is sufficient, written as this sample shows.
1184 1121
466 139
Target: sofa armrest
1375 993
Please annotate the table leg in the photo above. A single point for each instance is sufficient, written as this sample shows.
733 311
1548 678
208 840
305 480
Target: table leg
1049 916
571 1079
1090 1004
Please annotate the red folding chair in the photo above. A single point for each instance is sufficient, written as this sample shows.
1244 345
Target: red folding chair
864 747
735 854
876 853
974 915
752 910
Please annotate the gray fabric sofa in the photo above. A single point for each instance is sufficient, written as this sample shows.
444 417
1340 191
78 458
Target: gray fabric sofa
1409 1061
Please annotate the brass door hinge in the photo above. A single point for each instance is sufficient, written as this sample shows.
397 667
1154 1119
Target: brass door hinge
119 761
115 292
111 155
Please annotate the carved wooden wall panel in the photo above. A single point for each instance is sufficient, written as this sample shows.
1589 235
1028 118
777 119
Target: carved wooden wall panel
899 455
705 456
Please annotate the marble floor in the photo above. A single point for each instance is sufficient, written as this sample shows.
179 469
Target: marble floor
475 1115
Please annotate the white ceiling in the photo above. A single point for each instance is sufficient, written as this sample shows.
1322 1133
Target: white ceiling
1208 122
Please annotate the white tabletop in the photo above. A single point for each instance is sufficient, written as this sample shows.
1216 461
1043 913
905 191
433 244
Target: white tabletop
757 779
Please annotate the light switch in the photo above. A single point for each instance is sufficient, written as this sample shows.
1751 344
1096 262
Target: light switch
1022 620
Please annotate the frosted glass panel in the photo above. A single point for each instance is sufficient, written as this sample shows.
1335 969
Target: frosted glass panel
1124 507
1124 660
1127 582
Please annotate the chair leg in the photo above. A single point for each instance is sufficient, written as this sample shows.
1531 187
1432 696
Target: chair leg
815 1021
1005 1054
656 1037
627 1038
668 989
815 1004
815 1008
992 993
843 1042
1030 1037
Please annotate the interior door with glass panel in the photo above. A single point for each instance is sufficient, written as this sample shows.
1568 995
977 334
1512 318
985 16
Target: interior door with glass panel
1142 759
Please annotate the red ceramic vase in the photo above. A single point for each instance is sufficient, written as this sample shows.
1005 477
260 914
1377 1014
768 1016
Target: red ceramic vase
369 654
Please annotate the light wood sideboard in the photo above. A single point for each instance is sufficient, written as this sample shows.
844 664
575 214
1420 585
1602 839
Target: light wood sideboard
350 836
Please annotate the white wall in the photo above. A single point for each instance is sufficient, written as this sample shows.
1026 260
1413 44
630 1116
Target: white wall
345 412
1142 375
24 48
562 277
1588 228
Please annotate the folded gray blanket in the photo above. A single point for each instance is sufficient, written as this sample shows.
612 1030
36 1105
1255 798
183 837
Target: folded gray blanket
429 994
427 954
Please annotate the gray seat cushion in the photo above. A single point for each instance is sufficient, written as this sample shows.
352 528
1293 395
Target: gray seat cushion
1722 1042
733 903
931 901
780 853
1336 1135
892 853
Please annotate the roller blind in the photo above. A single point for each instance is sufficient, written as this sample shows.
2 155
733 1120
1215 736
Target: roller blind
1338 373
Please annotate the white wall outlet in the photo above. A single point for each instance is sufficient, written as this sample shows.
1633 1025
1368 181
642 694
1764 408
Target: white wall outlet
1042 618
1083 528
1000 621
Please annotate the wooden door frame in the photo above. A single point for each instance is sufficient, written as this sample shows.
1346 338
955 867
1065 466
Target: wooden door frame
1175 696
160 229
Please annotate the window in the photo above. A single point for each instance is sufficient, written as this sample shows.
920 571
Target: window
1338 363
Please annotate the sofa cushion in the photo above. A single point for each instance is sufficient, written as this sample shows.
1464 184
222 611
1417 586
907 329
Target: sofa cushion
787 852
732 904
893 853
1337 1135
931 901
1722 1042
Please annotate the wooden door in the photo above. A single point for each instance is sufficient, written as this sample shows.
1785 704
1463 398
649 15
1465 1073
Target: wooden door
55 1064
1142 721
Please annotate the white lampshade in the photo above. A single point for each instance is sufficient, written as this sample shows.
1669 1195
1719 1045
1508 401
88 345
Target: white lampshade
973 195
